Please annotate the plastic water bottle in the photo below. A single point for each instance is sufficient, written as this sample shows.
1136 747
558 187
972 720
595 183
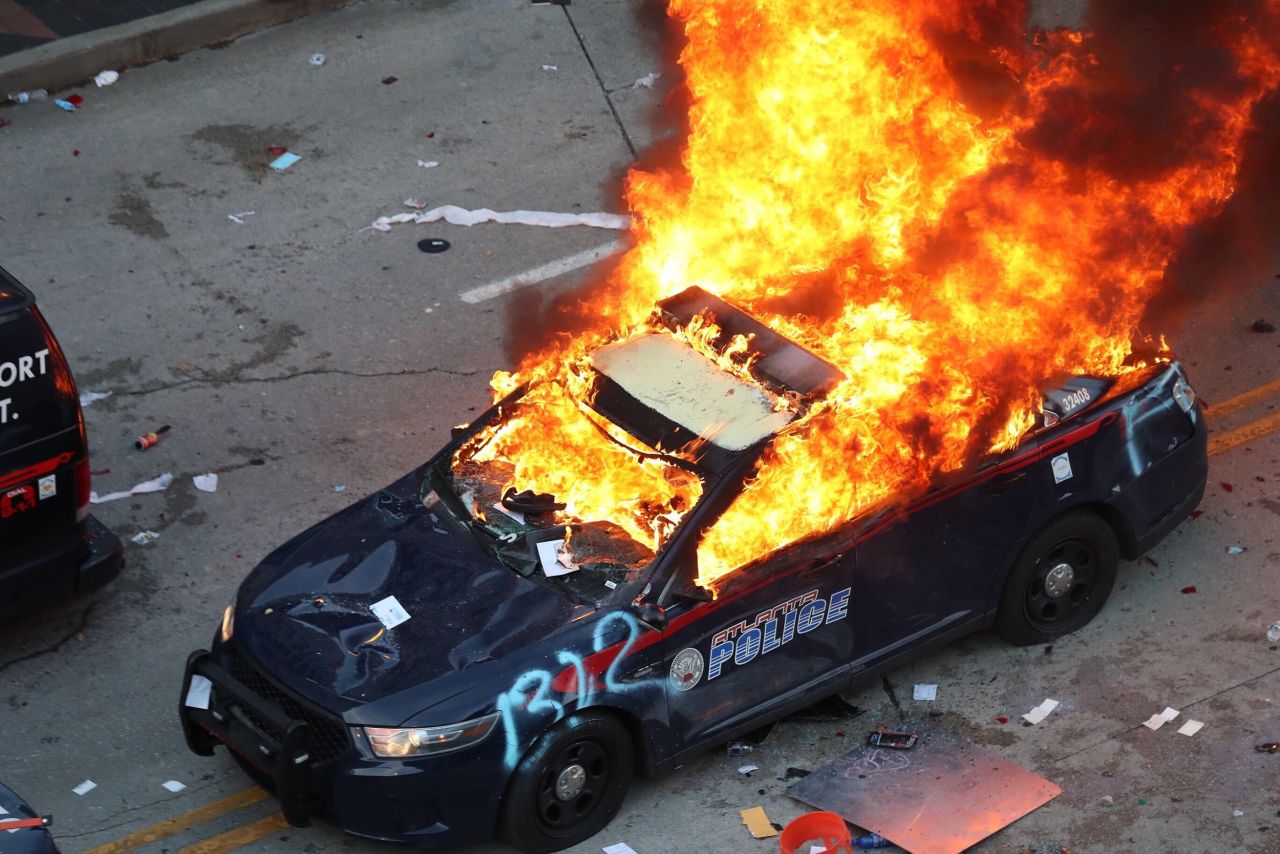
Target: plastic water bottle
28 97
1273 632
872 840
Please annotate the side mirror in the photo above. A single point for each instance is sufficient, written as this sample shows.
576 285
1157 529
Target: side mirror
650 614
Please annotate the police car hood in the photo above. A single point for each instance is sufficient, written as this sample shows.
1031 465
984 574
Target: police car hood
386 598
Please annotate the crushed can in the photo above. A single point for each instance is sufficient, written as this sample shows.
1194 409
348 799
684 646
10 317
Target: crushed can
889 738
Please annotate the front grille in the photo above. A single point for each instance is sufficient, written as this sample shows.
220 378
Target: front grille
328 734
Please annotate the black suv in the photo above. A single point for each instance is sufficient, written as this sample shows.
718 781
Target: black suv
50 547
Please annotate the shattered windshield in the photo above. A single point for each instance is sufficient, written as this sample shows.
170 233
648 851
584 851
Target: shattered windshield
562 492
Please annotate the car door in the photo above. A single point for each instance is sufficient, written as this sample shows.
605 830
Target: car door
778 631
931 568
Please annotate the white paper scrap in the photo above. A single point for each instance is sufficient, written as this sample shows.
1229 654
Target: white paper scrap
550 68
89 397
428 164
143 538
646 81
106 78
1234 550
85 788
389 611
1156 721
747 769
156 484
1190 727
816 849
239 217
174 785
549 557
206 482
198 692
619 848
455 215
1041 711
925 692
1237 813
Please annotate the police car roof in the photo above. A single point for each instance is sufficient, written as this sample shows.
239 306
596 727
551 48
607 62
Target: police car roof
13 296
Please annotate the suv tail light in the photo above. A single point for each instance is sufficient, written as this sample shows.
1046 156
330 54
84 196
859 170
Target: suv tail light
84 482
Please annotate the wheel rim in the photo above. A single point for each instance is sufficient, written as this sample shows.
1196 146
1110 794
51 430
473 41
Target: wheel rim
1062 585
572 787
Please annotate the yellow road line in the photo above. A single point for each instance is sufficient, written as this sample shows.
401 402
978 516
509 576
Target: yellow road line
1247 433
238 837
1240 401
177 824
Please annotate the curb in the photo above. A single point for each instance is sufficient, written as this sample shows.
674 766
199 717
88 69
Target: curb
68 61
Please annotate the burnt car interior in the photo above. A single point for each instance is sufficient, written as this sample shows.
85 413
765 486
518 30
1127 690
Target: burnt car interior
691 417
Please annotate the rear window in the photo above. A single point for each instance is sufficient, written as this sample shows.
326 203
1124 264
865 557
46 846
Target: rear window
37 393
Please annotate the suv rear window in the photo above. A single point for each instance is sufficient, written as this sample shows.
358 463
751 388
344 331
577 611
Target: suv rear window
37 393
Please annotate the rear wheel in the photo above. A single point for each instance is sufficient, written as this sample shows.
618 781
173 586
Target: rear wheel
1060 581
570 785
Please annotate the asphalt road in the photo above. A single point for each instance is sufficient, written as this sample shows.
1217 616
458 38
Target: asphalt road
297 352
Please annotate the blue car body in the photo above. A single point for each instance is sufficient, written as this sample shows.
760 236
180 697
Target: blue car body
307 666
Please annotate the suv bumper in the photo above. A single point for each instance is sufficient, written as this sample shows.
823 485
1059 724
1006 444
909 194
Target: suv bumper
105 559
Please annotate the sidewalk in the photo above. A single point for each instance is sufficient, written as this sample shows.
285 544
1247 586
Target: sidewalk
30 23
53 44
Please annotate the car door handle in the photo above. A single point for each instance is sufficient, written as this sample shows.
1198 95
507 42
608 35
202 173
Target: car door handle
1004 484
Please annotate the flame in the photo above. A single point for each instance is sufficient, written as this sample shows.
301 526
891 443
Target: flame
840 184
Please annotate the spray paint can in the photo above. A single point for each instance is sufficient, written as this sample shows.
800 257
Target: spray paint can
149 440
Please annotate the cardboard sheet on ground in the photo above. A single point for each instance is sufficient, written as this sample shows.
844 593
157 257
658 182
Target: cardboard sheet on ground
940 797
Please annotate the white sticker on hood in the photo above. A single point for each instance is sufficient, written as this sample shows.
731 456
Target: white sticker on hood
1061 468
390 612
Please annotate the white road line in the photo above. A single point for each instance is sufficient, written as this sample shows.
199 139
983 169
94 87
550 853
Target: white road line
540 274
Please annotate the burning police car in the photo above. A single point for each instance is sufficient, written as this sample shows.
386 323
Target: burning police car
479 648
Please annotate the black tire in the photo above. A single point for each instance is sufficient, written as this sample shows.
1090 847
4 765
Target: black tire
534 817
1042 600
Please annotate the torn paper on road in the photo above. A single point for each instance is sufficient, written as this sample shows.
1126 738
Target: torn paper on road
455 215
389 611
85 788
747 769
143 538
1156 721
757 822
206 482
174 785
1041 711
428 164
925 692
156 484
89 397
1190 727
239 217
106 78
198 692
646 81
619 848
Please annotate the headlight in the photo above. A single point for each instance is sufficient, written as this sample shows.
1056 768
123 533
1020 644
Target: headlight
228 622
392 743
1184 394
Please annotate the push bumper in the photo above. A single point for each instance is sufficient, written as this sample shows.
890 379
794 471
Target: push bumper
282 756
436 802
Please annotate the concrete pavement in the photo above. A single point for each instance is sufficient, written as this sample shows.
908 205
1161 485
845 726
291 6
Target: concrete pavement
296 352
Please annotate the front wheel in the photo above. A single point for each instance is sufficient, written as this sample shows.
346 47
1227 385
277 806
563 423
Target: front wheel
1060 581
569 786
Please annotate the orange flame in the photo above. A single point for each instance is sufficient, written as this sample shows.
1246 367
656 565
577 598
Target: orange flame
837 184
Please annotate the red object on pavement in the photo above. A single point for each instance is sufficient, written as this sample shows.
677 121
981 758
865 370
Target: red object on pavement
1191 588
75 100
825 826
277 150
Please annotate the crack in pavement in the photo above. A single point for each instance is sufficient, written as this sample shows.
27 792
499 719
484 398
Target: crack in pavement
626 137
1192 704
893 697
213 380
192 790
80 626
